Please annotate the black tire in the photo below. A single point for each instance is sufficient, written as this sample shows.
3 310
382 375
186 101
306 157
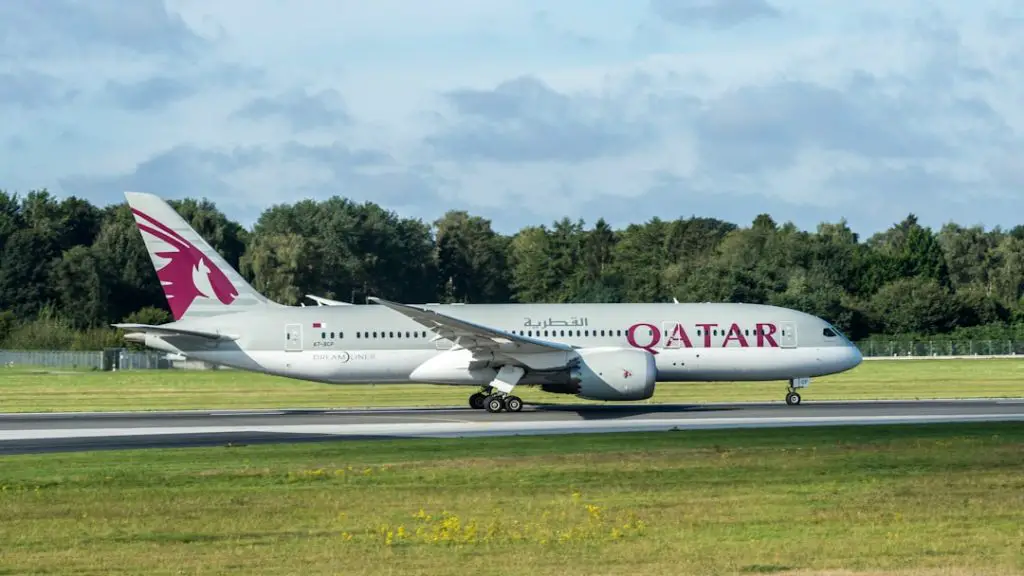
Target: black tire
792 399
476 401
513 404
494 404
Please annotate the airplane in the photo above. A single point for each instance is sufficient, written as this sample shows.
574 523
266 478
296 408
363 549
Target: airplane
604 352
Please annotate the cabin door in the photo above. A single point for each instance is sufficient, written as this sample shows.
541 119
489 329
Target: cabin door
293 337
787 338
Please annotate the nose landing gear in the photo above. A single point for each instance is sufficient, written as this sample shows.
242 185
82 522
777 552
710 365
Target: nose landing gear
792 396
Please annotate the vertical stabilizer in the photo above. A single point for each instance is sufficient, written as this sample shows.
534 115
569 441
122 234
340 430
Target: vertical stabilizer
195 278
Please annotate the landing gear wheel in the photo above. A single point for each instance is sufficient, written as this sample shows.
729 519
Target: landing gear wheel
513 404
792 398
494 404
476 401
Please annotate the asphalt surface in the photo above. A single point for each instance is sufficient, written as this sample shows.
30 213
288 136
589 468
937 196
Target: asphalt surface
27 433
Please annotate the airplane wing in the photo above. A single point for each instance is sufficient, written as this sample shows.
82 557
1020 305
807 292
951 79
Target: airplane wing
167 330
472 336
321 301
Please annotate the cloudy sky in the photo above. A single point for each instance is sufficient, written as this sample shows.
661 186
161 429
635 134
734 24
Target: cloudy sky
526 111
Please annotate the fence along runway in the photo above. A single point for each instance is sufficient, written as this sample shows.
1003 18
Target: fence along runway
57 432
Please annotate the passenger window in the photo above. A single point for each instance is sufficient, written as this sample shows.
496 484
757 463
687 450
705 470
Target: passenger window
829 333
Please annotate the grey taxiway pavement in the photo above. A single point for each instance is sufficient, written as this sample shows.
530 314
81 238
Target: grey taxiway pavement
26 433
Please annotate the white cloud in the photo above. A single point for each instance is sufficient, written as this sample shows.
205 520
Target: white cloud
526 111
715 13
300 110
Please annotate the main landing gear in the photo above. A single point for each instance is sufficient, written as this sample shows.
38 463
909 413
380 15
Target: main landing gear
497 396
495 402
792 396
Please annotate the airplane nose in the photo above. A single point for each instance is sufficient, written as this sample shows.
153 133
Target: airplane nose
855 356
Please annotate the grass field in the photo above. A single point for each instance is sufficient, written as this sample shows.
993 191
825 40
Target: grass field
867 500
45 391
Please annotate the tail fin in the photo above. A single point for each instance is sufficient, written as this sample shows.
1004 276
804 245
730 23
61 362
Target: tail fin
196 280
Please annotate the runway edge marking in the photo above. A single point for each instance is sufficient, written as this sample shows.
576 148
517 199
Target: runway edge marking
406 409
505 427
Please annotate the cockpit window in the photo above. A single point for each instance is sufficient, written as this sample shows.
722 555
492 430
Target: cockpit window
829 333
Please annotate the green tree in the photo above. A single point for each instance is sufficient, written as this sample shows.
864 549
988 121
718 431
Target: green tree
472 260
131 281
918 305
80 288
24 265
638 266
532 279
69 268
278 266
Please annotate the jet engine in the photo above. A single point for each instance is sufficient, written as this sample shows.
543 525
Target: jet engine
620 374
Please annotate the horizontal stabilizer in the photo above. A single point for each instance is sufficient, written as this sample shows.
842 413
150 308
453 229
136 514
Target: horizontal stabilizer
166 330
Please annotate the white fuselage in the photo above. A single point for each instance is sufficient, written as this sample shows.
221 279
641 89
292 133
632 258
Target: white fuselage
371 344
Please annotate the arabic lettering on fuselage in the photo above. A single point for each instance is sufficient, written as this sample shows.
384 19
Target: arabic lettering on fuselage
573 322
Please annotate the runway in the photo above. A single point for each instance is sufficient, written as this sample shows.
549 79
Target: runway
28 433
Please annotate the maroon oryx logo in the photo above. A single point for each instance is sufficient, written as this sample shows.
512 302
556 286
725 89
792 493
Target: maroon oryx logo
178 276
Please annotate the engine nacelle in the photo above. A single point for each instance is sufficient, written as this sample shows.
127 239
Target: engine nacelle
614 374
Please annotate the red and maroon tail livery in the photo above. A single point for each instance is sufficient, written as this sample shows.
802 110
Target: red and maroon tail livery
195 278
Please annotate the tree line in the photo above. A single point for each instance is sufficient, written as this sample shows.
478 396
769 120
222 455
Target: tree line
69 268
